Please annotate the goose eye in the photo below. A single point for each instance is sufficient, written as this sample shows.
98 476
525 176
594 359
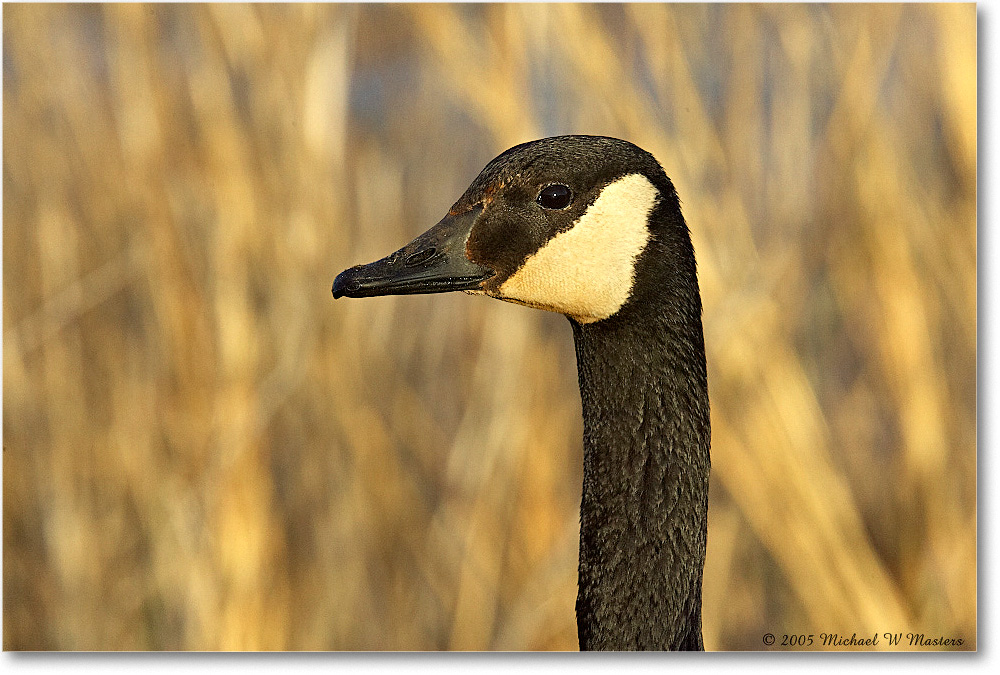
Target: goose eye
555 197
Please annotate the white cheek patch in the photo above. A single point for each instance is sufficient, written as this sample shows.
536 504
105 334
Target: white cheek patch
587 271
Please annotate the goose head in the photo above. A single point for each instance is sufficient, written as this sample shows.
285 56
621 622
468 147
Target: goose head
560 224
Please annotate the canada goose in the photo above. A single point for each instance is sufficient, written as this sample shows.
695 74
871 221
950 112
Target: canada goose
591 227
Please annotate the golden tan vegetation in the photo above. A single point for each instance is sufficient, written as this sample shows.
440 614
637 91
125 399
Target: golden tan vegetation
202 450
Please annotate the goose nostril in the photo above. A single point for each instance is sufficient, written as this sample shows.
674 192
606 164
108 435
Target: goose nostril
353 286
420 257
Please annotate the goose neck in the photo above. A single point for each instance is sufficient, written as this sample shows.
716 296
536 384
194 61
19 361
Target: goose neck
643 519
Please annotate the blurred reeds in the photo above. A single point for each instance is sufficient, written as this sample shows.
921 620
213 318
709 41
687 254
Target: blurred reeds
203 451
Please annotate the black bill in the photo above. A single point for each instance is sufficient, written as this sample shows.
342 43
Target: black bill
434 262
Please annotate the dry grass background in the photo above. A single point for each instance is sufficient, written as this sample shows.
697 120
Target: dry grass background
202 450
